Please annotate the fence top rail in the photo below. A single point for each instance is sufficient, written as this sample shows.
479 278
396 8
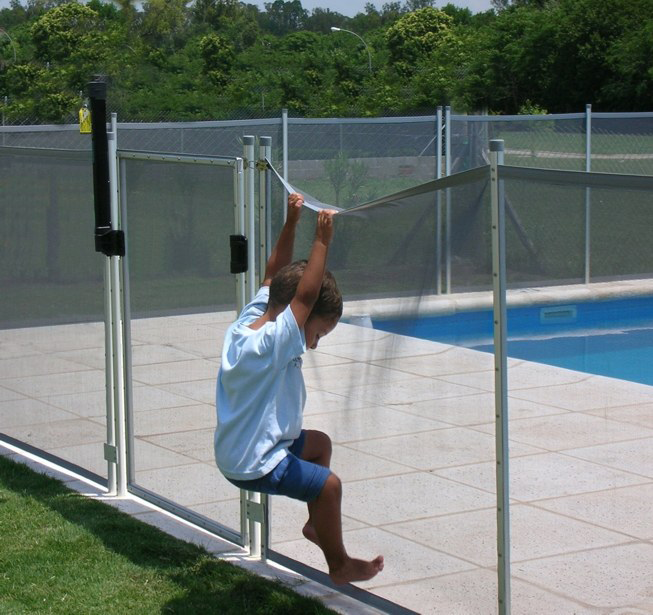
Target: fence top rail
17 150
623 116
222 161
578 178
362 120
277 121
40 128
274 121
521 118
145 125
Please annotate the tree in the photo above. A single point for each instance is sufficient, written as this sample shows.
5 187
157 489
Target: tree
631 61
164 22
510 61
285 17
321 20
415 36
218 57
586 31
63 30
415 5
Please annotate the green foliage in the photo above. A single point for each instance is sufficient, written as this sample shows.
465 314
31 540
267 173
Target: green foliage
63 30
529 108
416 35
210 59
218 57
284 17
163 22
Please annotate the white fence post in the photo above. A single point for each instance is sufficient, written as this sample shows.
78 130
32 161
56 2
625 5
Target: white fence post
447 172
588 191
118 338
500 374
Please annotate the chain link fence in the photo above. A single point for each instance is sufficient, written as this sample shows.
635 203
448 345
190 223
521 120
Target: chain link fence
615 142
602 142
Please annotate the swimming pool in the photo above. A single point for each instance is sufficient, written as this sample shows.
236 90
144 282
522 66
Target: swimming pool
610 338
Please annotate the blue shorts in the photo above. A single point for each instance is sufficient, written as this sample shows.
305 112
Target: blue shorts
292 477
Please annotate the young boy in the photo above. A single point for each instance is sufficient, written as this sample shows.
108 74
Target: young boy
259 442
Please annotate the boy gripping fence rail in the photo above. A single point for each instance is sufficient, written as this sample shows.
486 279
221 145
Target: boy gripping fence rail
259 441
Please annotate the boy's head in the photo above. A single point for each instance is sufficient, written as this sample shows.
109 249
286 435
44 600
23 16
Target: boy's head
327 309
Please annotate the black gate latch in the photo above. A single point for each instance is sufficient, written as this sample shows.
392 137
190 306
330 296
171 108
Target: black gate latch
238 245
109 242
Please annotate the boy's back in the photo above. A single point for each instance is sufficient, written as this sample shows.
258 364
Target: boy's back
260 392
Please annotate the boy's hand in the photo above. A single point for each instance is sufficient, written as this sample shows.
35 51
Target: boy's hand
295 202
324 228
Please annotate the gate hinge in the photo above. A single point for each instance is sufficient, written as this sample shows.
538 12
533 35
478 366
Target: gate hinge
262 165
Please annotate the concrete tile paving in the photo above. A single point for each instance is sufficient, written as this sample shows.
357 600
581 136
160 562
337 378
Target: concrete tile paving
413 430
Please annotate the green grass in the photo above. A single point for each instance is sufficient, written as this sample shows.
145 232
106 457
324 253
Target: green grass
61 552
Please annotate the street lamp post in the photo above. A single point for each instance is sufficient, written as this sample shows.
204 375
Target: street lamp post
369 55
3 31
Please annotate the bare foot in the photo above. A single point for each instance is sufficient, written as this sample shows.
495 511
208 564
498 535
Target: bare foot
310 533
356 570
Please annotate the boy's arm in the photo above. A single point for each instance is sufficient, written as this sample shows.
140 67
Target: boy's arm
281 254
308 289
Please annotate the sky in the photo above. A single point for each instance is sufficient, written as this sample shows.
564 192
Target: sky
352 7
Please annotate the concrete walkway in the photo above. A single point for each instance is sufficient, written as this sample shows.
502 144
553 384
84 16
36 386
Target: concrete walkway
413 427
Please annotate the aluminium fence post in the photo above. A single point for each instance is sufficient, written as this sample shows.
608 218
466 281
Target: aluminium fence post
118 323
264 152
250 209
500 373
588 191
127 320
438 203
447 172
110 446
284 136
239 226
239 230
264 233
253 500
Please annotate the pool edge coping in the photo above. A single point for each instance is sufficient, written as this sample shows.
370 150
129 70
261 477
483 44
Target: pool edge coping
432 305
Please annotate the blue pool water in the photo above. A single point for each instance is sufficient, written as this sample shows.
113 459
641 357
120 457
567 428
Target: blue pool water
610 338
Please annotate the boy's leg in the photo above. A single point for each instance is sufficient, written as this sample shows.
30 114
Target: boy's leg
326 518
324 525
317 447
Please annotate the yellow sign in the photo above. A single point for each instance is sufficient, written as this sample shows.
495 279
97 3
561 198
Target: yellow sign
85 121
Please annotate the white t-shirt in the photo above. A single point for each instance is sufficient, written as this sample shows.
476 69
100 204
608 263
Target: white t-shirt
260 392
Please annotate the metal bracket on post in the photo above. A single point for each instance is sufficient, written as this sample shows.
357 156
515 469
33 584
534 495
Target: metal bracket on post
110 453
255 511
501 374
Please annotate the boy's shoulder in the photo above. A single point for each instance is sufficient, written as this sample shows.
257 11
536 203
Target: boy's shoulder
257 305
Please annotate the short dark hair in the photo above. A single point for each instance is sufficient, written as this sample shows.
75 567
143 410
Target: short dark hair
284 286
